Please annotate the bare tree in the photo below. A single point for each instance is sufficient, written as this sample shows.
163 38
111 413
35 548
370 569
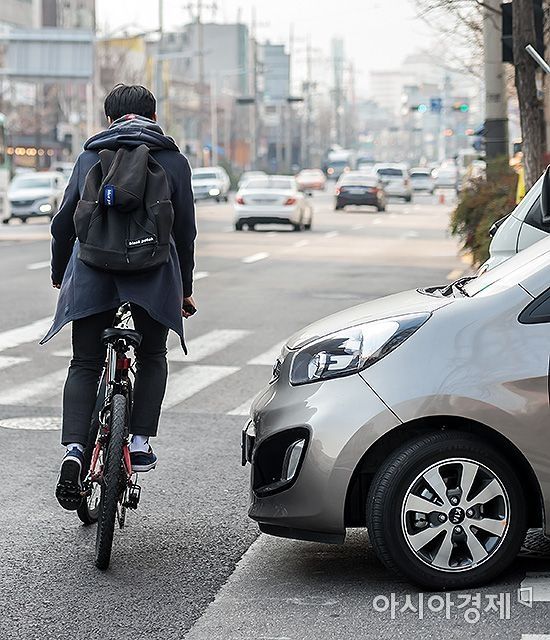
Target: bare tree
530 108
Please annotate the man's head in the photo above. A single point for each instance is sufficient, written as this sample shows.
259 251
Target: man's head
130 98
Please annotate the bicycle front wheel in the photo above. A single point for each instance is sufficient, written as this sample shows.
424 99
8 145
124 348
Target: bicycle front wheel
113 482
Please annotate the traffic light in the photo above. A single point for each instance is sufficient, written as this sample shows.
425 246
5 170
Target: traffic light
463 107
419 108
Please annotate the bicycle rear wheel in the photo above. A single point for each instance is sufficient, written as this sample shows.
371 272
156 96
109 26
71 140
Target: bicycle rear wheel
112 486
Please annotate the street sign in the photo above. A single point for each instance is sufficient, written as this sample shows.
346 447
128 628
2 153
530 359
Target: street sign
436 105
49 54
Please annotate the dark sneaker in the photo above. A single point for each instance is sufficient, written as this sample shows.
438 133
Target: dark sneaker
69 486
143 461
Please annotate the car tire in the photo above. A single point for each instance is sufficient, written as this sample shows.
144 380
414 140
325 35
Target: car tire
23 220
299 226
408 198
226 198
392 526
238 226
308 226
338 207
381 207
6 220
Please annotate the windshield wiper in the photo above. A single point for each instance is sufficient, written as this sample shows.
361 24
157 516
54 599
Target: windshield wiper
459 286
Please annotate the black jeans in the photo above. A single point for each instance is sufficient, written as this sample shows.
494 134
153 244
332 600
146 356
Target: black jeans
80 391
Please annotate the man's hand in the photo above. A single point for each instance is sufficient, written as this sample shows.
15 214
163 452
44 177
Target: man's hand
188 308
55 285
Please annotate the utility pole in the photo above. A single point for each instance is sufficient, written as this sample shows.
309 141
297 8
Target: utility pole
255 93
290 112
496 108
159 85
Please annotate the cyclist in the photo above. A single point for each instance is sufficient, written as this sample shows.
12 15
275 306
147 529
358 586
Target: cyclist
89 297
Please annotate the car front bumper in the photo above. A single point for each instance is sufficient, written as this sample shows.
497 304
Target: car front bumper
28 211
358 199
339 420
267 215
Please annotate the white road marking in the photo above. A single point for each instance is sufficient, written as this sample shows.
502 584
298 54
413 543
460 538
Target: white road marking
536 636
31 423
539 583
301 243
357 227
206 345
377 221
38 265
21 335
268 357
255 257
189 381
410 234
35 391
243 409
64 353
199 275
9 361
331 234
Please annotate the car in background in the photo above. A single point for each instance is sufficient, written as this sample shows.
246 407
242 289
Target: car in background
339 161
272 200
311 180
395 179
446 176
210 183
247 175
440 453
359 188
35 194
422 179
524 226
65 168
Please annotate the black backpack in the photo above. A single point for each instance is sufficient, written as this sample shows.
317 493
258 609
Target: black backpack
124 219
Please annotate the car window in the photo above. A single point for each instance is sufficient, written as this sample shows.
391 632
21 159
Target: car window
357 180
534 213
205 176
277 183
390 171
31 183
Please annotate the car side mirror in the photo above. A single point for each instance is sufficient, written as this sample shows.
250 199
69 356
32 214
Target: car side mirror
545 197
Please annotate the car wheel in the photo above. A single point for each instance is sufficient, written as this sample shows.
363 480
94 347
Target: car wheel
338 207
381 207
446 511
226 198
23 220
238 226
299 226
408 198
6 220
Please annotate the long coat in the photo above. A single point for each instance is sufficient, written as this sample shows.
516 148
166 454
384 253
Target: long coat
86 291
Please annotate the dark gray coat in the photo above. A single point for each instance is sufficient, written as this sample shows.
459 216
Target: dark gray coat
86 291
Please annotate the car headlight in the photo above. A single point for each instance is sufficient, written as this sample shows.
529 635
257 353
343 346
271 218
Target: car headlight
352 350
214 192
45 208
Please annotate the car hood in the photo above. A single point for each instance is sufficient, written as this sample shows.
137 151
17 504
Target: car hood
395 305
204 182
29 194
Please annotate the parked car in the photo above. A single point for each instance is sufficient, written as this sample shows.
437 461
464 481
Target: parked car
34 194
272 200
521 228
358 188
422 179
211 183
395 179
311 180
442 453
247 175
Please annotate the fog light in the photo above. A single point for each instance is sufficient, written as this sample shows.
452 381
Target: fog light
292 459
214 192
45 208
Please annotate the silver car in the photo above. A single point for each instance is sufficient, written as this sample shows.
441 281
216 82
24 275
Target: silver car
35 194
423 416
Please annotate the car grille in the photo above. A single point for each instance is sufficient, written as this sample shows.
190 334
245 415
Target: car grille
21 203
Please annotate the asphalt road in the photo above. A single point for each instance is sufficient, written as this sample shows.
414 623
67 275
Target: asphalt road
180 548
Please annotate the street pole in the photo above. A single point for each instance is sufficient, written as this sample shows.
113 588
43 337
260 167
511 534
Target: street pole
496 109
200 40
214 120
158 67
256 106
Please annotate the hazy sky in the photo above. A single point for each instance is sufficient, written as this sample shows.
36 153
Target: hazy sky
378 34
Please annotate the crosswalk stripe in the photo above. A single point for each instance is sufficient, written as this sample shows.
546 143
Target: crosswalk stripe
243 409
536 636
255 257
189 381
38 265
9 361
206 345
35 391
268 357
199 275
21 335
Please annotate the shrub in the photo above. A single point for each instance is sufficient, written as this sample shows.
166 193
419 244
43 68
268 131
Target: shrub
482 203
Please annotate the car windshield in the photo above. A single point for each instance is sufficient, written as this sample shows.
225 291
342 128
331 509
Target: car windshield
512 271
270 183
338 163
391 172
31 182
357 180
205 176
420 174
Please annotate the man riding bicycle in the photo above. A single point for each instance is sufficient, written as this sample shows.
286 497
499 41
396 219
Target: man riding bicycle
159 293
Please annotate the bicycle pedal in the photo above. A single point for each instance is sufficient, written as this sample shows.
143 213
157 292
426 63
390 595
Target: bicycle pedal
133 496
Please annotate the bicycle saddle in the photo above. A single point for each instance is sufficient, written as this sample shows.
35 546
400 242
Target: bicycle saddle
113 334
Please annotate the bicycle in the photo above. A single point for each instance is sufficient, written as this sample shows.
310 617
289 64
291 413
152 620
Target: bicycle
109 484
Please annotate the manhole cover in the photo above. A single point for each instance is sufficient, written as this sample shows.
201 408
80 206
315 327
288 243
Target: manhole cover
31 423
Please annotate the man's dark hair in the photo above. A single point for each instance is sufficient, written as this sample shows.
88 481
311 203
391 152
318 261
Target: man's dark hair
130 98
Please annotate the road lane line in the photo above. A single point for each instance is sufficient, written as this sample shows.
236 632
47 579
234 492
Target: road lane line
255 257
268 357
539 584
301 243
189 381
199 275
35 391
536 636
21 335
206 345
244 408
358 227
38 265
10 361
331 234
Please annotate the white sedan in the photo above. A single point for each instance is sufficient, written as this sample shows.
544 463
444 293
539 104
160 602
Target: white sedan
272 200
